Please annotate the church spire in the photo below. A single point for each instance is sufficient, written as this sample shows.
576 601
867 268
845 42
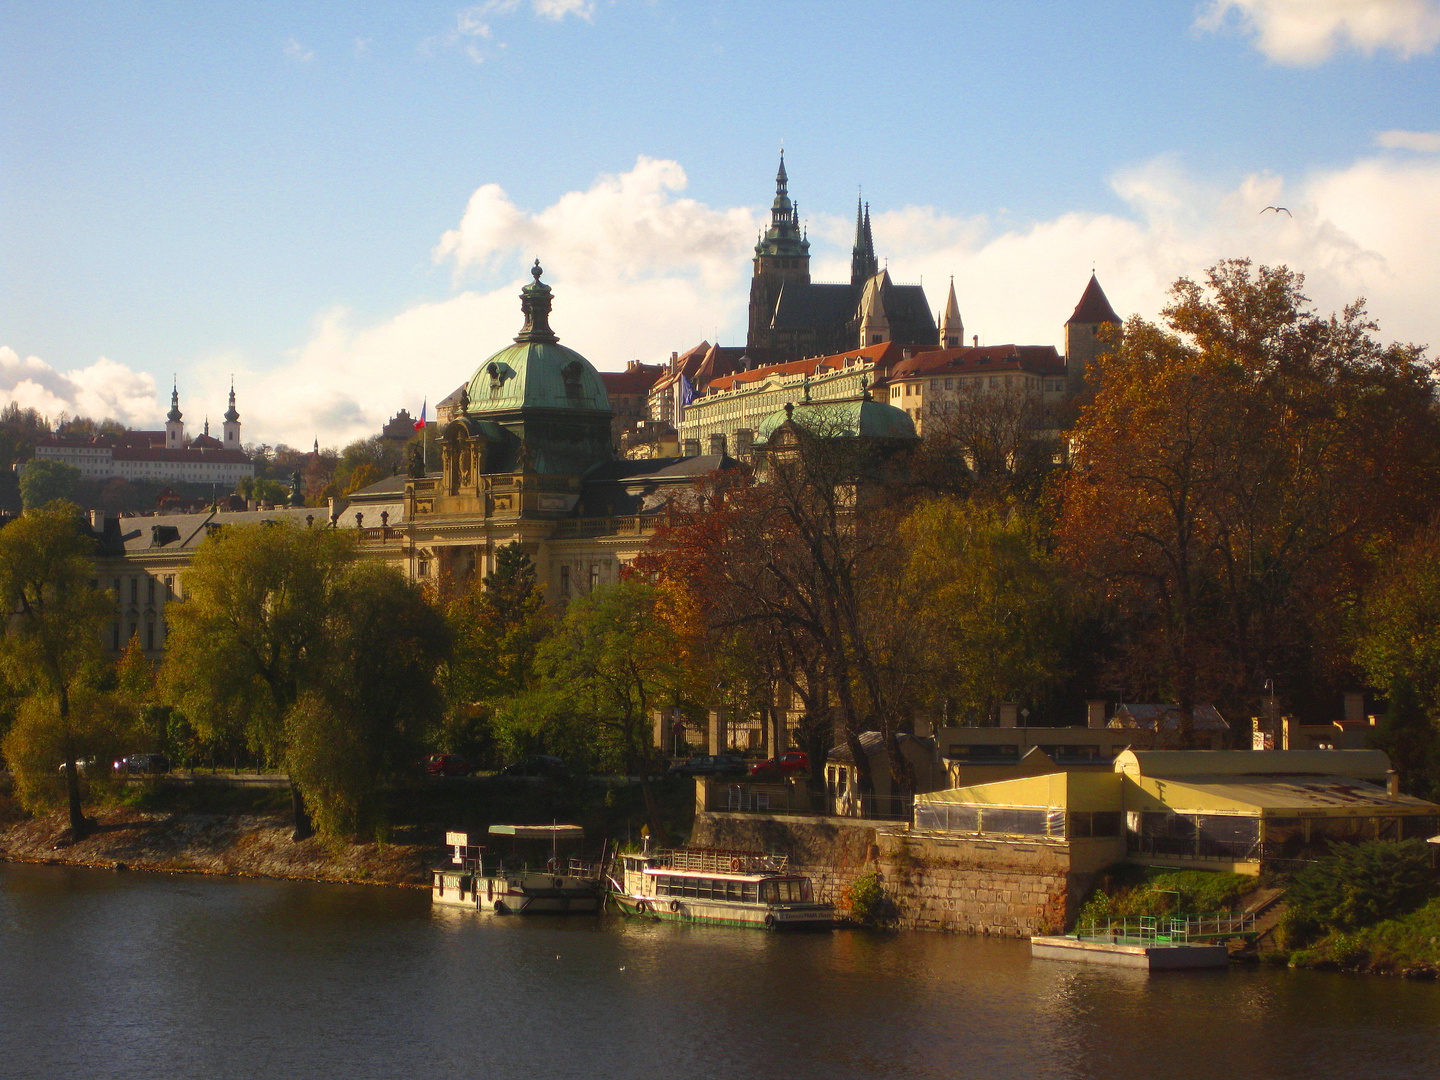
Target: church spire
174 414
174 421
952 328
863 265
230 413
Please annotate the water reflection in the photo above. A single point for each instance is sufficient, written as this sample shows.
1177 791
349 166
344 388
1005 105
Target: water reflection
129 975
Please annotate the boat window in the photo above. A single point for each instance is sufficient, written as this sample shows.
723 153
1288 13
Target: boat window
732 890
768 892
749 892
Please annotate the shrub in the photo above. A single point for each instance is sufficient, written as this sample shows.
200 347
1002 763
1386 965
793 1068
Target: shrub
868 904
1358 885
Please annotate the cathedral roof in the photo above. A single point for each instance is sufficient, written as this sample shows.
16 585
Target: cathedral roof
1093 306
536 371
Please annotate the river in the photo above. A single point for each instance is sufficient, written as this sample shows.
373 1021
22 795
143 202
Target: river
123 975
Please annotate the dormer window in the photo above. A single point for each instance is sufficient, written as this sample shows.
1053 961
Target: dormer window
571 374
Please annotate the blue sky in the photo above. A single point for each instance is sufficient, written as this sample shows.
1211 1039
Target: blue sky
336 203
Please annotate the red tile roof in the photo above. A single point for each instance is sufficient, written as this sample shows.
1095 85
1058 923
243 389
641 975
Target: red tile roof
882 355
1093 306
970 359
636 379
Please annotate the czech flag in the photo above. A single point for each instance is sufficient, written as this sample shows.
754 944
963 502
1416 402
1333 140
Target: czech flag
420 424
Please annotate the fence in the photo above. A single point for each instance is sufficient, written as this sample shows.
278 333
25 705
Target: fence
799 799
1157 930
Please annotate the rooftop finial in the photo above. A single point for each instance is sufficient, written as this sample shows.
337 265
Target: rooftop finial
535 301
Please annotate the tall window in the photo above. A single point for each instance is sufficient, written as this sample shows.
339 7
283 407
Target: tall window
564 581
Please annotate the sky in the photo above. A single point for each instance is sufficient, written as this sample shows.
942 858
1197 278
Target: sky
336 204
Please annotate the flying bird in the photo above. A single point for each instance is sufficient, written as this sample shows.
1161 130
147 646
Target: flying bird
1279 210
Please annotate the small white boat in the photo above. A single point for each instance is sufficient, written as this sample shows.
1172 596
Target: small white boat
478 880
731 888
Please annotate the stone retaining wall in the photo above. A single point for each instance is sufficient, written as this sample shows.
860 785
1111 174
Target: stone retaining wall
1011 888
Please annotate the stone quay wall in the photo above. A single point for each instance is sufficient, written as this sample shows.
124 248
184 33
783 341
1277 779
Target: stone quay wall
934 881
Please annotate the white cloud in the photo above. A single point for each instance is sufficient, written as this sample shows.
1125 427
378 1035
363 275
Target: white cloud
1424 142
473 32
555 10
104 389
1305 32
639 269
361 47
293 50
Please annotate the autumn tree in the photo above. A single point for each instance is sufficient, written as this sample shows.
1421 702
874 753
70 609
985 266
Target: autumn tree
791 559
1239 468
53 646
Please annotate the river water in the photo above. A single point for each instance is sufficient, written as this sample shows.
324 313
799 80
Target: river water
122 975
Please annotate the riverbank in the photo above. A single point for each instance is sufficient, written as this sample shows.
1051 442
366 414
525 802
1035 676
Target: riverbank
254 844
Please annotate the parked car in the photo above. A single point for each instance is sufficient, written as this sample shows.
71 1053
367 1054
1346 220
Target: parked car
536 767
790 763
80 766
708 765
143 763
447 765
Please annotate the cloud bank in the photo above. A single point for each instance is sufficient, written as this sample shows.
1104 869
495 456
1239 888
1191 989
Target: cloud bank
640 269
1307 32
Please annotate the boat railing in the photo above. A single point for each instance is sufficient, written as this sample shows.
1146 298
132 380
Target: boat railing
723 861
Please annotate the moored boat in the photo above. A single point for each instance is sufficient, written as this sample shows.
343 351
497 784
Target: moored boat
732 888
484 881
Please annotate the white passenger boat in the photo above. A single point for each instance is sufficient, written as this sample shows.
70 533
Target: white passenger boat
733 888
533 878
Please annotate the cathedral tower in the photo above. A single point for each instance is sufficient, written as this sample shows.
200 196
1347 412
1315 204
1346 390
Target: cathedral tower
782 255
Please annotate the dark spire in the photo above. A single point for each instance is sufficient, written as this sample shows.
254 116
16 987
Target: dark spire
862 255
174 413
535 302
230 414
783 236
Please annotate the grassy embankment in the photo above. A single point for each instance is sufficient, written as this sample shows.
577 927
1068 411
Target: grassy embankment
1140 890
214 827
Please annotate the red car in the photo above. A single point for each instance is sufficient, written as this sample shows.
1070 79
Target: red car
790 763
447 765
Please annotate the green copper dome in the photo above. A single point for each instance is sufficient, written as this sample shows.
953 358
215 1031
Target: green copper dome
840 419
536 372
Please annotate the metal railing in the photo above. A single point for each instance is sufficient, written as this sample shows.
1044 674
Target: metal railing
1176 930
799 799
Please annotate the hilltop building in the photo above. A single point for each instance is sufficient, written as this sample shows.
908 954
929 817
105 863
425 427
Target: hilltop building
792 317
165 456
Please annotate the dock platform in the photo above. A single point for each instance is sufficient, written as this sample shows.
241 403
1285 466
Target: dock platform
1145 956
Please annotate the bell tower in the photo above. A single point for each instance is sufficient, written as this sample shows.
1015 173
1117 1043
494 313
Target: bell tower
174 422
231 432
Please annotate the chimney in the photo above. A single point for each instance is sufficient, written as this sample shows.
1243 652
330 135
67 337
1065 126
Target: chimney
744 441
1392 783
1095 714
1354 707
976 339
97 520
717 444
1009 714
692 448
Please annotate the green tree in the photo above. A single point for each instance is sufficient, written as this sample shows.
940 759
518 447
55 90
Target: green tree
262 490
617 653
53 638
247 640
498 624
375 700
992 605
44 482
1399 651
323 664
